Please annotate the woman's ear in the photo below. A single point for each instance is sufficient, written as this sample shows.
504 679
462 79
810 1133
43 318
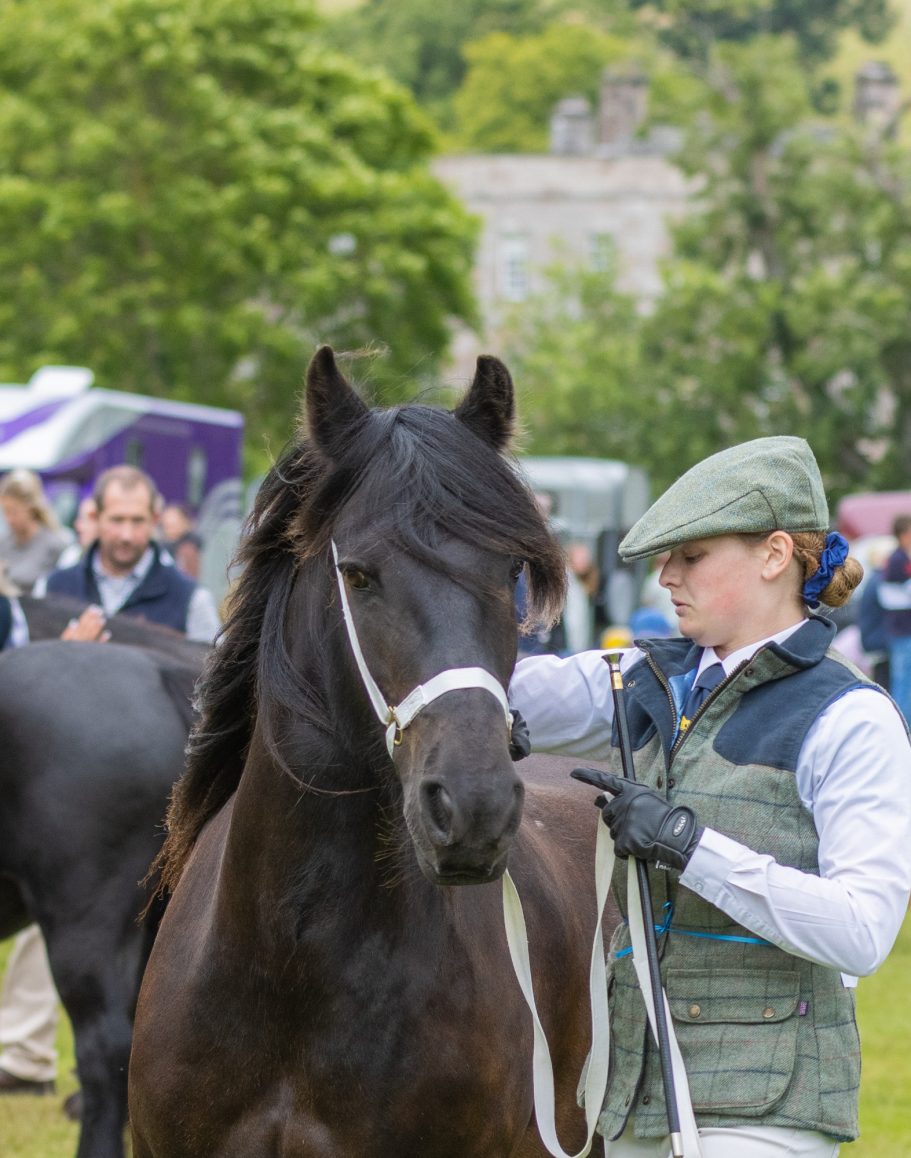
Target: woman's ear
779 551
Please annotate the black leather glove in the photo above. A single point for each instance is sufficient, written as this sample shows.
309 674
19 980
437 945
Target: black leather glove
641 821
519 737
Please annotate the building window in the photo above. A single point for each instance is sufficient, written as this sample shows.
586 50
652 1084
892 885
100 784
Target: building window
603 250
514 279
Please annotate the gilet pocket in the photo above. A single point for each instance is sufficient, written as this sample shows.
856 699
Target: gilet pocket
738 1035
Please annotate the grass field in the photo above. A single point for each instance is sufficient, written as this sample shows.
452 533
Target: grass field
36 1128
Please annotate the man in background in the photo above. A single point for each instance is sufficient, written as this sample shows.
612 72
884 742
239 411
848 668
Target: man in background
126 571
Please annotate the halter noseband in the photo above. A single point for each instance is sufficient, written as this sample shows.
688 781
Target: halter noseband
396 719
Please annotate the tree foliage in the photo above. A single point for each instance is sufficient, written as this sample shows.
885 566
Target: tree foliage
692 27
434 49
514 82
420 42
574 353
803 236
786 307
195 192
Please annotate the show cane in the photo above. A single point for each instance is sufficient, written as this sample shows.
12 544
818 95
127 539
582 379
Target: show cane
648 920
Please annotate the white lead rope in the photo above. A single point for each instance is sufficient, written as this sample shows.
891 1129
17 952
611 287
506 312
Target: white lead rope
596 1077
543 1072
689 1132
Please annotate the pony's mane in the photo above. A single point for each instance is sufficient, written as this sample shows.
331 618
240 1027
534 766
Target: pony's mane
420 473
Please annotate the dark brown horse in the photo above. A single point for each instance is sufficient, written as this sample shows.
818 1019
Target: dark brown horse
313 991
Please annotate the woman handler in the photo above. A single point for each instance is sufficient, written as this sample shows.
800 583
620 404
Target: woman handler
775 816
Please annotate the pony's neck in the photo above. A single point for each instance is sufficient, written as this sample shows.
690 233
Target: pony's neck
321 859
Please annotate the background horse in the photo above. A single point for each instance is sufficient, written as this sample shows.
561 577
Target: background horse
91 740
313 990
48 616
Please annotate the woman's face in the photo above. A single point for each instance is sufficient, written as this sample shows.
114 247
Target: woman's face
18 517
722 592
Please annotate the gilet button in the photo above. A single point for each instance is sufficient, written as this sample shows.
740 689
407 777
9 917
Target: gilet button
768 1011
671 782
646 1100
695 1010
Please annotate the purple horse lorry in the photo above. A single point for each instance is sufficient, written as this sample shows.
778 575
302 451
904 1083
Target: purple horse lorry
68 431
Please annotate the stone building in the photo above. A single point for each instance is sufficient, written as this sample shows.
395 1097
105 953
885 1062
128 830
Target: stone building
877 97
603 194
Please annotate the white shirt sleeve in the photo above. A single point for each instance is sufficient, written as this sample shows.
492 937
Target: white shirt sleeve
567 703
854 776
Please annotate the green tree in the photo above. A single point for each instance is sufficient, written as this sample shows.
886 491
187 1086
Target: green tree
786 306
195 192
574 353
419 42
513 83
691 27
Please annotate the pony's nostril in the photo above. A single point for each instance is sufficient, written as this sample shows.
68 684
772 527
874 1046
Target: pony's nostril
437 807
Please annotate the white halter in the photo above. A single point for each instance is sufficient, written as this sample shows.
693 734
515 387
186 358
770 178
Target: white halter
396 719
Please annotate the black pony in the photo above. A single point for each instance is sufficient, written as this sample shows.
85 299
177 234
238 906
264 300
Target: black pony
312 989
47 618
91 740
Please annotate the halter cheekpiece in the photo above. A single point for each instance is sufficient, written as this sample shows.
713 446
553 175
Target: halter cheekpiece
396 718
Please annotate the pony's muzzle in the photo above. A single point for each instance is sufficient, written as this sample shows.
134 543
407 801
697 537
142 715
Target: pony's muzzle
468 833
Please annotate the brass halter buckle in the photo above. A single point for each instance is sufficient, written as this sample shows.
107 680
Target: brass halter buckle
399 732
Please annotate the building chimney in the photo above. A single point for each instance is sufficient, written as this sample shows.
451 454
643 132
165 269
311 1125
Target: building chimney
624 103
877 97
571 129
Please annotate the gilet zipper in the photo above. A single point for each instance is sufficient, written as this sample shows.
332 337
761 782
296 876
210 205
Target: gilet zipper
681 736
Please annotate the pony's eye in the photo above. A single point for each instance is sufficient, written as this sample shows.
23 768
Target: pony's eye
356 578
516 569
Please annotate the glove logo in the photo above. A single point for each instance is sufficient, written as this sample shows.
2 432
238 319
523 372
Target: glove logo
679 826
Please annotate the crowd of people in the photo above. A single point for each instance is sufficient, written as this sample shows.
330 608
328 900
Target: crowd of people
129 553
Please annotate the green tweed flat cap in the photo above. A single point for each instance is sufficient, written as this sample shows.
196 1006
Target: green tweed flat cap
769 484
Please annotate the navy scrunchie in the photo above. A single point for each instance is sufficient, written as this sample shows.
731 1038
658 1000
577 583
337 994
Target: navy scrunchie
834 554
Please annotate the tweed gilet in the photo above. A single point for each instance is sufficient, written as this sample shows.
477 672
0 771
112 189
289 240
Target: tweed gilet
767 1038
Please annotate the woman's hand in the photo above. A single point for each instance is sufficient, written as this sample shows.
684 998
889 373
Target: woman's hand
642 823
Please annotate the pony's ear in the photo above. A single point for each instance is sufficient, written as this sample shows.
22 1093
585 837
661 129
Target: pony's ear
488 409
332 405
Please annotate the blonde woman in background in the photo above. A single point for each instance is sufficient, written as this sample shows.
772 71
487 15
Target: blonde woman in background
33 539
